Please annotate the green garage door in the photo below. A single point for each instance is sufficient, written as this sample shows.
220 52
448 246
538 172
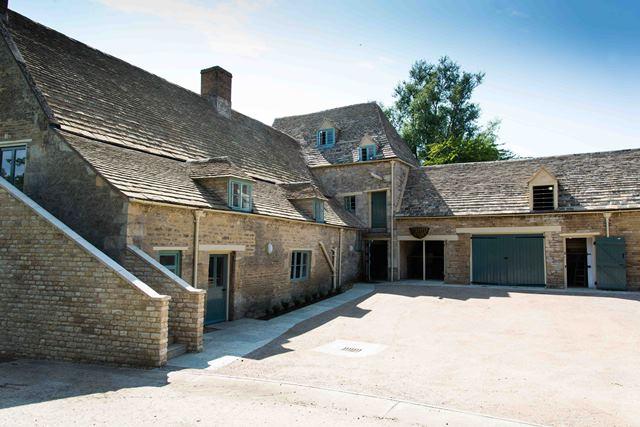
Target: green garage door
508 260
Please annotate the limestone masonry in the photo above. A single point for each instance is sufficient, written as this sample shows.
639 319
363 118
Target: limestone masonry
134 212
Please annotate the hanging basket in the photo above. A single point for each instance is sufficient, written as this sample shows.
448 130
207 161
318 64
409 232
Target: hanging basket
419 232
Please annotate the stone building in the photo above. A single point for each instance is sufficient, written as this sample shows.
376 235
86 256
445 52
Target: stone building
134 211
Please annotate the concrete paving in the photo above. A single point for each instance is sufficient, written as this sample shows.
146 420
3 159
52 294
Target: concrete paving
546 357
235 339
384 355
66 394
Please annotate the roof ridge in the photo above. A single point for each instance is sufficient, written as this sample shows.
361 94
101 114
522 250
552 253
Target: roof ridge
529 159
99 51
326 110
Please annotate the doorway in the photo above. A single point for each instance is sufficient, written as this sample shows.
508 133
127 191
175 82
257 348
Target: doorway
577 263
434 260
378 260
217 288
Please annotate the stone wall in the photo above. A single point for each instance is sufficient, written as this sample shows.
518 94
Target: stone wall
357 179
60 298
186 308
458 253
259 280
75 194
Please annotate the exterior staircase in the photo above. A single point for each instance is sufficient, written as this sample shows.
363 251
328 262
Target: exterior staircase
175 349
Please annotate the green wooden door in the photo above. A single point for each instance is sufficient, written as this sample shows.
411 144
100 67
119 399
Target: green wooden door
217 289
515 260
379 209
610 263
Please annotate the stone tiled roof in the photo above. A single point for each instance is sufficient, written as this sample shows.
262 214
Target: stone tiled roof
352 123
303 190
149 177
593 181
104 98
216 167
151 139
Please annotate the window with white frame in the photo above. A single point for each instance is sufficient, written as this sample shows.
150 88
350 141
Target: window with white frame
300 265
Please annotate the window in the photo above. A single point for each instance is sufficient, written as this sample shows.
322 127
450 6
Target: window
300 265
543 197
325 138
12 164
318 210
240 195
368 152
350 203
172 261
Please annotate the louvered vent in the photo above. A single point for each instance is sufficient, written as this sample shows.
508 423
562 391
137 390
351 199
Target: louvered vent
543 199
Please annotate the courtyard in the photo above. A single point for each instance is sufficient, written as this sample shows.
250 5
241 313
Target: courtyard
391 354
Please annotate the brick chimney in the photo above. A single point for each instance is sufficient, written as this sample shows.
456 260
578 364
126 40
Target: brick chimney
215 85
4 6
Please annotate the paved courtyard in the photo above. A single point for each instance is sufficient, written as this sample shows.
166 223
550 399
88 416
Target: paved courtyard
389 355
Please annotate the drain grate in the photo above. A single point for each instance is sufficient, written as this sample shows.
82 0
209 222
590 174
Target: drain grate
344 348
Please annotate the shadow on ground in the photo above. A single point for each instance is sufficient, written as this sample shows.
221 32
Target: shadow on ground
25 382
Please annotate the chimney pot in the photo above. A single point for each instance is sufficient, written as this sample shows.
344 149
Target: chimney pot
215 85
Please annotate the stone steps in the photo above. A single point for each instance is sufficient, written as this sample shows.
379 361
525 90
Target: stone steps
175 350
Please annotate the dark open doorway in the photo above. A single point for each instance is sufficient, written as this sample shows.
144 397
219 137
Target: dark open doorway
422 260
434 260
577 263
378 260
414 260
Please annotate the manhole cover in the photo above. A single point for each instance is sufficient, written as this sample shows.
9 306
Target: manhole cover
351 348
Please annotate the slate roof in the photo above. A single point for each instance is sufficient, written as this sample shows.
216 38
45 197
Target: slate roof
586 182
352 123
104 98
145 176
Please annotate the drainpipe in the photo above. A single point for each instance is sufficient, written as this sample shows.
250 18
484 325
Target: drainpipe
339 267
196 244
607 217
392 217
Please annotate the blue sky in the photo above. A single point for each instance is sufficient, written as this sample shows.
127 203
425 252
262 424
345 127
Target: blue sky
561 75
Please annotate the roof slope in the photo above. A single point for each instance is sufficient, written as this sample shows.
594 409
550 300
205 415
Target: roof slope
352 123
592 181
145 176
104 98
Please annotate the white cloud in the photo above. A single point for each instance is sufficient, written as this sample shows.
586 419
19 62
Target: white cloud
226 25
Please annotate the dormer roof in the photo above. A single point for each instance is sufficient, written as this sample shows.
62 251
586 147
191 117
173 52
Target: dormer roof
216 167
302 191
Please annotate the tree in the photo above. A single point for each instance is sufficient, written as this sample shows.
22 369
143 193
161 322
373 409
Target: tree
433 112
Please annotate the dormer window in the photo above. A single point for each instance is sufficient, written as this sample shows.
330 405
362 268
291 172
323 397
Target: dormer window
240 195
367 152
318 210
543 197
543 191
326 138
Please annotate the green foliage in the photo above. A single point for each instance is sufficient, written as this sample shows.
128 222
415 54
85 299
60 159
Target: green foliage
434 114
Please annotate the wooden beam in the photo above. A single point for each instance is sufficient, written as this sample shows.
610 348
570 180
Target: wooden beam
328 258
